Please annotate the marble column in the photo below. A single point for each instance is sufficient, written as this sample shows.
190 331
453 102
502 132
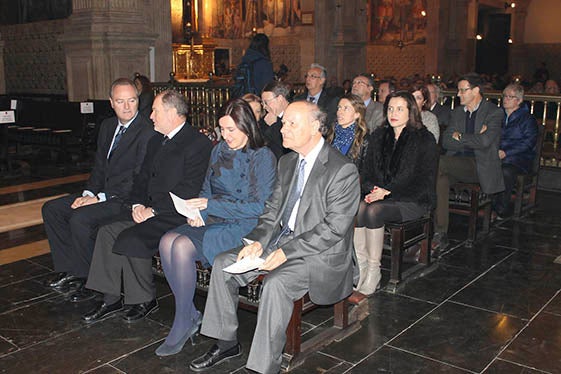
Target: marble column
104 40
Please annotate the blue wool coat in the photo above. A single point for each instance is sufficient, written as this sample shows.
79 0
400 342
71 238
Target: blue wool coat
236 194
519 136
262 69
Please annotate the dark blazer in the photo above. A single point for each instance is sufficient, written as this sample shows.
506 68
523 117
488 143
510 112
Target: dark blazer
178 166
115 176
407 170
273 137
326 102
485 146
442 113
323 234
518 141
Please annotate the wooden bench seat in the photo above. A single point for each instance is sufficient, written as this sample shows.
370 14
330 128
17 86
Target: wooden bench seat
467 199
403 235
346 318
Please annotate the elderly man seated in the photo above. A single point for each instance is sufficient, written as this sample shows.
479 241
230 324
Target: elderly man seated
518 144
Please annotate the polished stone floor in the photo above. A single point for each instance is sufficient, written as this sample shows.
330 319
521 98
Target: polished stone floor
494 308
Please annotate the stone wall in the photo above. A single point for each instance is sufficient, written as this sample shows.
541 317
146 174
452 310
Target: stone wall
386 61
34 58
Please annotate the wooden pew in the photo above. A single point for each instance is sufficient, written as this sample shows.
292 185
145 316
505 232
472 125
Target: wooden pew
467 199
346 318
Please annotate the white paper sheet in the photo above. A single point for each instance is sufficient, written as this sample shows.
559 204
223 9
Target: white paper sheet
244 265
182 208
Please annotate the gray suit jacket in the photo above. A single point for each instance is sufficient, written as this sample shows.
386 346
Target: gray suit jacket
323 234
485 146
374 115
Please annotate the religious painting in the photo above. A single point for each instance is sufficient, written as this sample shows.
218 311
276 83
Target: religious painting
398 21
240 18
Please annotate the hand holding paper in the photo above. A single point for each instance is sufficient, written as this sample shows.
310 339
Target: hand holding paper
183 209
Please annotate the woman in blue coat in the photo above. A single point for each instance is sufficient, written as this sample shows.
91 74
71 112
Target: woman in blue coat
240 178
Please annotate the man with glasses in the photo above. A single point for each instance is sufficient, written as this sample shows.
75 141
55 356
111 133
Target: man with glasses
315 93
471 142
363 85
275 100
518 144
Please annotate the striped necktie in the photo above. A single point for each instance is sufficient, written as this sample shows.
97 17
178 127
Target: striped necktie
120 133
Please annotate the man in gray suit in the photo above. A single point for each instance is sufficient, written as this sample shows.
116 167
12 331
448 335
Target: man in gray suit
363 85
472 143
304 235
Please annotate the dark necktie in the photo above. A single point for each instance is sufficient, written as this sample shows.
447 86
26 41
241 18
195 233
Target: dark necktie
165 140
312 99
294 195
120 133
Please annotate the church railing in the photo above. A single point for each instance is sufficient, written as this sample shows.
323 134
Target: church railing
205 98
546 109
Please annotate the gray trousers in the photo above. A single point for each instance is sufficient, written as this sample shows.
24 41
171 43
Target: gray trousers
281 287
107 267
451 169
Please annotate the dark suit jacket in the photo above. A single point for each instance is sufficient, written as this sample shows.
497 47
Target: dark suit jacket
326 102
178 166
273 137
485 146
323 234
442 113
115 176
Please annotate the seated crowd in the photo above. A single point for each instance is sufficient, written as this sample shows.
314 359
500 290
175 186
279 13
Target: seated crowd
307 186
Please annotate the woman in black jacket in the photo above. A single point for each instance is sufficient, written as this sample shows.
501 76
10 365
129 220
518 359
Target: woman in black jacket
398 183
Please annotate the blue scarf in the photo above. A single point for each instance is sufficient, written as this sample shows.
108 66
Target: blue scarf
344 138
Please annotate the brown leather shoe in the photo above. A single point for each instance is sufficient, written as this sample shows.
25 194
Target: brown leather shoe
356 297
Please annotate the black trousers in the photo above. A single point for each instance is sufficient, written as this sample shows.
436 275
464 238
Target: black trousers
72 232
502 201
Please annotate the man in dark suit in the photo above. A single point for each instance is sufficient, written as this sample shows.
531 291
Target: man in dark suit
472 142
315 92
363 85
275 101
71 222
441 112
176 162
305 236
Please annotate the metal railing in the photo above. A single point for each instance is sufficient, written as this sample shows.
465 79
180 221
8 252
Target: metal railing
546 109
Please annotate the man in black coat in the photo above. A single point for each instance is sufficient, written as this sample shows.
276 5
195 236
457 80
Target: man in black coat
177 163
72 221
315 92
275 101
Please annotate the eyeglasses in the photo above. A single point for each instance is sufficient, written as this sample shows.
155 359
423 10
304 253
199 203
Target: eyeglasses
312 76
266 102
463 90
510 97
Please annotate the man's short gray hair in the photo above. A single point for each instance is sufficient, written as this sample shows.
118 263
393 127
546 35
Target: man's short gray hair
174 99
122 82
517 89
321 67
316 114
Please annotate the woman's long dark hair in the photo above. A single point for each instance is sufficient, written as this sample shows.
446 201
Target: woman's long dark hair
414 121
424 91
245 121
260 43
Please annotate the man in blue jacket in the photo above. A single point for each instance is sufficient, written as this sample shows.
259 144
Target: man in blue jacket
518 144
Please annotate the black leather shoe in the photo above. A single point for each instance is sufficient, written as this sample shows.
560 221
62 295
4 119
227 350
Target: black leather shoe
82 294
214 356
102 310
139 311
61 281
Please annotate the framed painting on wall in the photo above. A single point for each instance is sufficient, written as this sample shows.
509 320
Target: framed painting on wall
398 21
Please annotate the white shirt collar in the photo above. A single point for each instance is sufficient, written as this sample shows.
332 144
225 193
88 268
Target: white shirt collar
175 131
